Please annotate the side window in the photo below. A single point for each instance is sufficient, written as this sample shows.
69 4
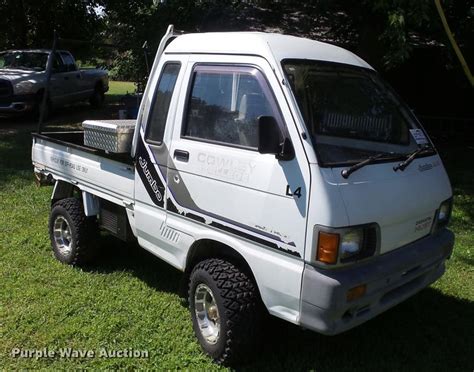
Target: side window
161 103
69 63
225 104
58 65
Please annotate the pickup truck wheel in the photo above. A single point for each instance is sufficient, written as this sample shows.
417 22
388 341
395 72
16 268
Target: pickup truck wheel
98 97
225 311
39 106
72 234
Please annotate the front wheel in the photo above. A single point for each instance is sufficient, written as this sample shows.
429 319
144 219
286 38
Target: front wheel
98 97
38 108
225 311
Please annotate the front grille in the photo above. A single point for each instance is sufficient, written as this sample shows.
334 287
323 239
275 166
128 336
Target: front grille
370 241
6 89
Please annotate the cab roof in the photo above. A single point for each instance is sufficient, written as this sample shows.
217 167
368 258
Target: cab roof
42 50
268 45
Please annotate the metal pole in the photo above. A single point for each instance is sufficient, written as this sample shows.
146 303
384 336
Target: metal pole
49 69
458 52
145 52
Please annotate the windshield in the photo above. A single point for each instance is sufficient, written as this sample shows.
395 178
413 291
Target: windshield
33 61
350 112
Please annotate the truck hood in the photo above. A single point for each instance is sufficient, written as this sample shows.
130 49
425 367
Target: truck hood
402 203
16 75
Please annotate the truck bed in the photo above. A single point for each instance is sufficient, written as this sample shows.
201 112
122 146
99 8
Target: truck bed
64 156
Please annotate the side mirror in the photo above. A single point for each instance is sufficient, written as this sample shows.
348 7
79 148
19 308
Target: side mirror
271 140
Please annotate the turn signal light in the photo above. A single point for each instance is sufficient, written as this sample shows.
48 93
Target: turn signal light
356 292
328 247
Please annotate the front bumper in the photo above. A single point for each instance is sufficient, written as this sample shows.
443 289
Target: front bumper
390 278
17 104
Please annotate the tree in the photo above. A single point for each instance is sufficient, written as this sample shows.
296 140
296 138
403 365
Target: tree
386 31
30 23
130 23
382 31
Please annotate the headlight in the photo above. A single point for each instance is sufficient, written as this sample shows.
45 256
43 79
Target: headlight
24 87
344 245
443 215
444 211
351 243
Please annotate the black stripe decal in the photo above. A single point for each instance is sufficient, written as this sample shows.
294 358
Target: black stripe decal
149 176
253 238
156 190
172 208
180 194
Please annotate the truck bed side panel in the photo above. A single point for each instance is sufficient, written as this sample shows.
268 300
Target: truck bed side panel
107 178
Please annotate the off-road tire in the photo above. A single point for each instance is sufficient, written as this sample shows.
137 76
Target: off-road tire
98 97
239 309
84 232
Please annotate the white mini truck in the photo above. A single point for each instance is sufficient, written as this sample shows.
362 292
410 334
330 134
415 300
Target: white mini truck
280 174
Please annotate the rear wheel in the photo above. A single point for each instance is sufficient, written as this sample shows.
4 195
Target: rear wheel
73 235
225 311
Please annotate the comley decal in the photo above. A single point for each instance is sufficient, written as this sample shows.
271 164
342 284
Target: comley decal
226 167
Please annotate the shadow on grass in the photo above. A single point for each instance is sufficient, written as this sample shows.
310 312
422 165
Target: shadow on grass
15 157
429 332
16 140
116 255
458 159
64 117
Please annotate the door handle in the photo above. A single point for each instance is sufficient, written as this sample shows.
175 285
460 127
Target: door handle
181 155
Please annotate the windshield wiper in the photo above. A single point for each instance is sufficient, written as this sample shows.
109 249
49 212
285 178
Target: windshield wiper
347 172
412 157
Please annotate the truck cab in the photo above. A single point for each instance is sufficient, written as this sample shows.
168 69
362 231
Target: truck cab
282 175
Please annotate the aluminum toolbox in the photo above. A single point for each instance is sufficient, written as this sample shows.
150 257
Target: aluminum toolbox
109 135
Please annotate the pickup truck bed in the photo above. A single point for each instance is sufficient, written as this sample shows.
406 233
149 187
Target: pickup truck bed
64 156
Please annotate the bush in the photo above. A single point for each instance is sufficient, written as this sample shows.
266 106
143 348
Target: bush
124 67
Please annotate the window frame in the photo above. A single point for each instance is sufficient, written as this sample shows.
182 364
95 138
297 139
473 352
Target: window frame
274 104
406 112
152 105
358 72
64 55
60 66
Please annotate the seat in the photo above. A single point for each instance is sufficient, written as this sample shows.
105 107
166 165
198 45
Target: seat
252 106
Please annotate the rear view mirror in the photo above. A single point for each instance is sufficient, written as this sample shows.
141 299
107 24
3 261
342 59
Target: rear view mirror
272 141
268 135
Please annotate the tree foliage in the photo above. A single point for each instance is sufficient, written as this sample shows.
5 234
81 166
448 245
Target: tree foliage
384 32
31 23
388 30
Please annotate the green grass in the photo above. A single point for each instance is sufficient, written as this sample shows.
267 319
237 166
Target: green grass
129 299
119 88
